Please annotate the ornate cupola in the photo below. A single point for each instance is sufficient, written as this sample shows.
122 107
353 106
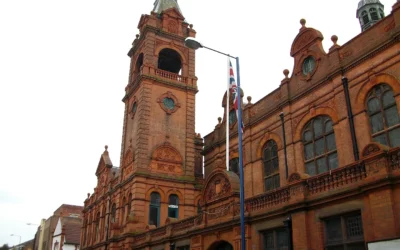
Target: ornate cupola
369 12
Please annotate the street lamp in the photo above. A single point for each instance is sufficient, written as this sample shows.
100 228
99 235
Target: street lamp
18 236
32 224
191 43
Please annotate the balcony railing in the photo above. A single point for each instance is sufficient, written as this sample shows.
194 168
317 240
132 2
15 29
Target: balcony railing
171 76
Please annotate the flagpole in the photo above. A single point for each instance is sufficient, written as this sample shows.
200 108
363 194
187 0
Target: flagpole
242 226
227 116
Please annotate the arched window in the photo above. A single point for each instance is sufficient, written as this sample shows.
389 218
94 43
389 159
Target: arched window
139 62
97 230
173 206
374 14
271 165
129 204
383 116
234 165
169 60
365 17
123 210
154 214
113 213
319 146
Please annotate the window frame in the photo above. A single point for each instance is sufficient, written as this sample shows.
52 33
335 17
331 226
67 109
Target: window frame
156 206
384 88
344 242
232 162
173 209
275 173
114 213
309 127
275 232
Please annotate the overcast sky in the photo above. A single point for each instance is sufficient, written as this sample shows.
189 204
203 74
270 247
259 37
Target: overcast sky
63 70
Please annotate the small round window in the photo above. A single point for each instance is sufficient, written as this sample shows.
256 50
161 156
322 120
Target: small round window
308 65
169 103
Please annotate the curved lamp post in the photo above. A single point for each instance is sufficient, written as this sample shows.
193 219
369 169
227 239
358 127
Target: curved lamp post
191 43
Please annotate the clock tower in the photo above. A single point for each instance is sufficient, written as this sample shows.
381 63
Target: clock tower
160 151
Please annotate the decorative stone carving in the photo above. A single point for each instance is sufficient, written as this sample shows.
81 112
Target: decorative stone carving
371 149
218 187
166 159
172 27
294 177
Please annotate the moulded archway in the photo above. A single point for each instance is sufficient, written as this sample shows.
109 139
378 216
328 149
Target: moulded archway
367 86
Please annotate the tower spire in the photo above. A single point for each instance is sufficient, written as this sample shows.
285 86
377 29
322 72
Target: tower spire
163 5
369 12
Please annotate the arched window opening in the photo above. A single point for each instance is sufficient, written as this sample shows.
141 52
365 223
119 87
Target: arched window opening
123 210
271 165
365 17
139 63
97 230
169 60
234 165
374 14
381 13
129 204
319 144
154 214
113 213
173 206
383 116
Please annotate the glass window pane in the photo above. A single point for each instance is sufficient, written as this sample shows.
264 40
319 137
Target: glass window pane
173 200
376 123
333 230
307 136
380 139
172 212
373 105
267 153
321 163
308 151
388 99
267 167
392 116
276 181
275 164
268 184
153 219
328 126
269 241
319 147
282 236
394 137
317 125
330 142
333 161
310 168
354 226
274 151
155 198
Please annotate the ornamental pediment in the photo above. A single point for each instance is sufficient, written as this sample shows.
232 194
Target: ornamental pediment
220 184
166 159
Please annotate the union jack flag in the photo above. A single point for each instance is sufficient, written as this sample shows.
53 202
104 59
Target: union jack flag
235 92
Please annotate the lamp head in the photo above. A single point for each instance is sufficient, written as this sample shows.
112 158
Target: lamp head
191 43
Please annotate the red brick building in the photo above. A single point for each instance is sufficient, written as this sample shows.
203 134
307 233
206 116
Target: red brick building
321 152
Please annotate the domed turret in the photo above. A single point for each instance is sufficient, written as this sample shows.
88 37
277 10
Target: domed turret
369 12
